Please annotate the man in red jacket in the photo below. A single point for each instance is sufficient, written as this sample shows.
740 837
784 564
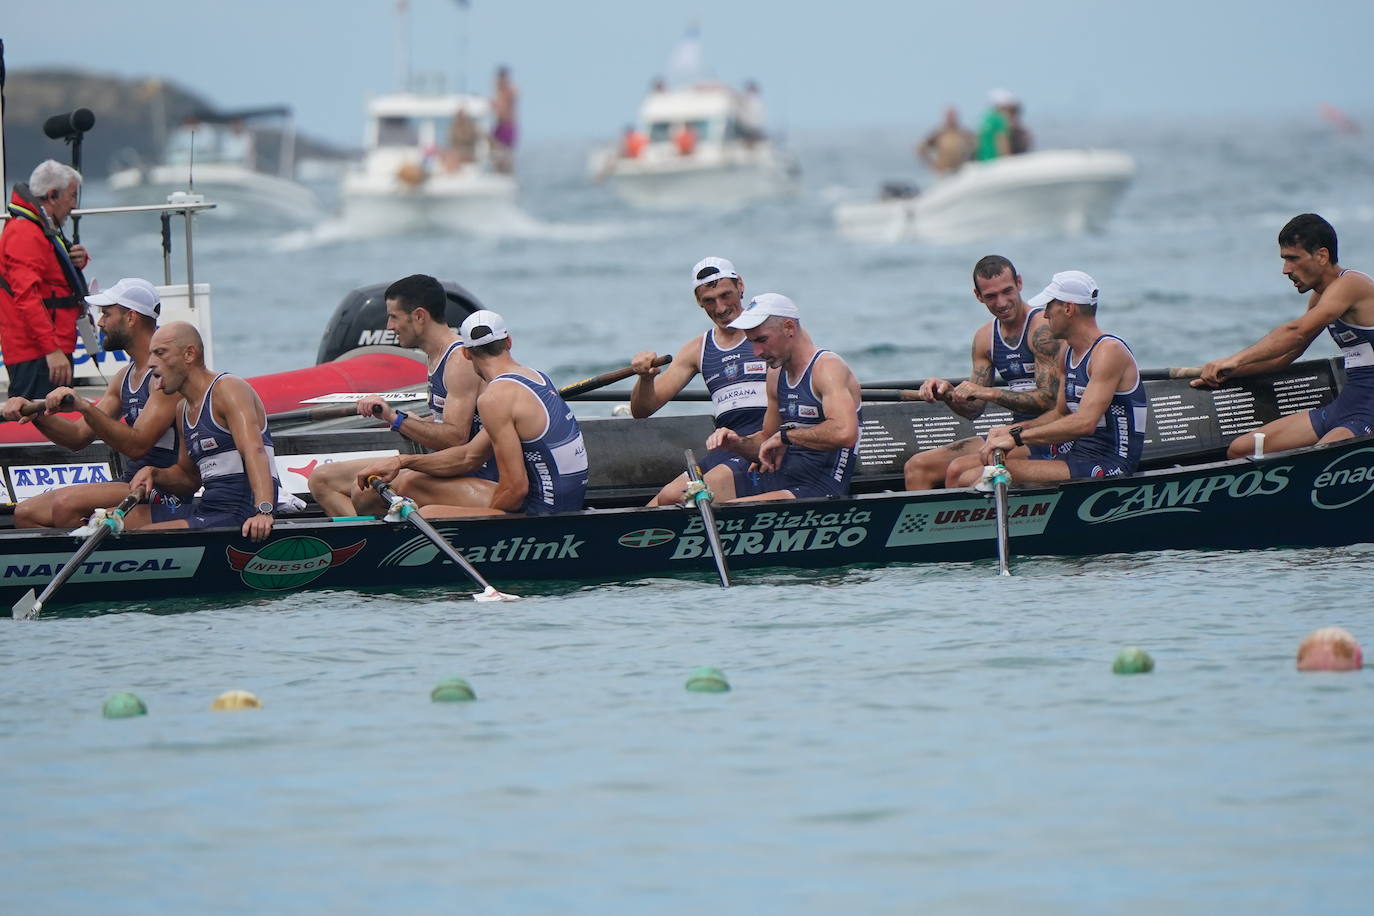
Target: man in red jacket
41 288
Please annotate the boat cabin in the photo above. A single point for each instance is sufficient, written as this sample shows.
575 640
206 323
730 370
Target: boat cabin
712 112
259 139
413 127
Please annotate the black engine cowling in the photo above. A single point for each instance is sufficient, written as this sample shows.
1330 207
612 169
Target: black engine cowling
360 319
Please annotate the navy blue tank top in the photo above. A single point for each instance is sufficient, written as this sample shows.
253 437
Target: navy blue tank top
211 447
738 383
1015 363
132 400
438 390
1356 344
1120 432
556 459
830 468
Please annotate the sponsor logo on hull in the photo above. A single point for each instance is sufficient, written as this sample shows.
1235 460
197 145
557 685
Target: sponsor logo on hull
969 520
419 551
288 563
1345 481
33 479
103 566
781 531
646 537
1114 504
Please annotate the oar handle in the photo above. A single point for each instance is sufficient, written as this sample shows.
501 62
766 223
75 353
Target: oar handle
36 408
606 378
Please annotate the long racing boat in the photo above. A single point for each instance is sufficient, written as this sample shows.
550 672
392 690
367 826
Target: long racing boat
1187 496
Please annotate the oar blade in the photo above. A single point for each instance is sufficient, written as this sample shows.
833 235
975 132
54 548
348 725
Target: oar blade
27 607
490 593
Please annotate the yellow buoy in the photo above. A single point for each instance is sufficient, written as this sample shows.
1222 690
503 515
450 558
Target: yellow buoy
236 699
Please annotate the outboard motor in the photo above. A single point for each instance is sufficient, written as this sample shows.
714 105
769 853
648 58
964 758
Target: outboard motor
360 319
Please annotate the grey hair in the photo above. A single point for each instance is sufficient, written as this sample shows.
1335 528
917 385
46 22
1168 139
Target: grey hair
52 176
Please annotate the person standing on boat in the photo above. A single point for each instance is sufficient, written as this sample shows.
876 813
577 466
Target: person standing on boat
133 418
808 444
1342 302
504 100
735 377
40 282
947 147
1097 427
541 460
994 134
225 444
1016 345
415 310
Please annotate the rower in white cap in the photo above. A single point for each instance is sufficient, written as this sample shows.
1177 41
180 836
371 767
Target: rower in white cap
734 375
541 460
132 417
1097 426
808 444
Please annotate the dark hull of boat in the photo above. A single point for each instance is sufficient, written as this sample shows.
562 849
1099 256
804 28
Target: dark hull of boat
1308 497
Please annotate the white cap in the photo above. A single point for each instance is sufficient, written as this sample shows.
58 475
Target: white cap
709 270
1000 98
1069 286
765 306
491 325
133 294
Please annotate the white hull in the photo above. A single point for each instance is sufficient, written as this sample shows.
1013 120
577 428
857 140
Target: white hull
673 182
240 193
1050 193
461 202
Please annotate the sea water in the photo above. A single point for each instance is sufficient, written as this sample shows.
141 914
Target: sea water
897 740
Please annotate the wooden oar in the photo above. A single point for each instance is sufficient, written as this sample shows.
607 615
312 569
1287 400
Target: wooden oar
697 492
577 389
999 498
35 408
407 510
27 607
323 412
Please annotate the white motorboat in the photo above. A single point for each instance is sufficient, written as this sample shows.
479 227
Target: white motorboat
426 166
225 155
726 158
1048 193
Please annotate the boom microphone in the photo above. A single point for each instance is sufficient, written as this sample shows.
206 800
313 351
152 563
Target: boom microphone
69 125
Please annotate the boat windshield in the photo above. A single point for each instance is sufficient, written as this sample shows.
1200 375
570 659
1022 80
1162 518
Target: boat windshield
396 131
212 143
664 131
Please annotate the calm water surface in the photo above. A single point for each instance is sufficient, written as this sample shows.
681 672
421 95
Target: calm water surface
898 740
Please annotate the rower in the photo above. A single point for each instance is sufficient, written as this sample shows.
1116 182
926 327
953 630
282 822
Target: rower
1342 301
807 446
225 444
1098 423
1017 345
734 375
131 417
540 456
415 308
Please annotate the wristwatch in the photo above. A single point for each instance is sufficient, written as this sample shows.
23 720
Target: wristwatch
265 508
398 419
1016 435
782 431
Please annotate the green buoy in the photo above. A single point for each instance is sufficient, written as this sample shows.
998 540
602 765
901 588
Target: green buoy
452 690
707 680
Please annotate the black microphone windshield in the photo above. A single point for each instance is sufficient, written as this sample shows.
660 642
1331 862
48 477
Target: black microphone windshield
65 126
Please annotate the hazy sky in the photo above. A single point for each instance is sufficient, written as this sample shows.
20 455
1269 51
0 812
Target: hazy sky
583 66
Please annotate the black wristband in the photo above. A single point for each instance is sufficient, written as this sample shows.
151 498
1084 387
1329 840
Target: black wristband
1016 435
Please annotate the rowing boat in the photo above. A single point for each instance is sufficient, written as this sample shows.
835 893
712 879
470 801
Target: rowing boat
1187 497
